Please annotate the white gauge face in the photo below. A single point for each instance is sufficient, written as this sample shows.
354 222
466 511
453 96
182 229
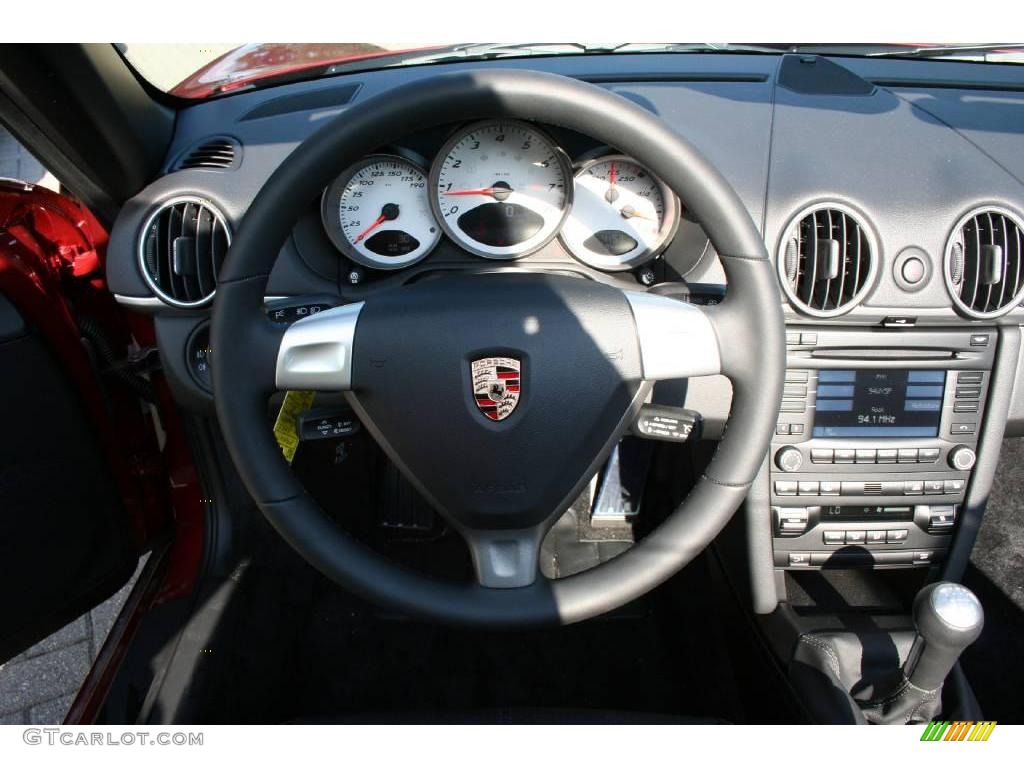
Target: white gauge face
501 189
622 214
378 213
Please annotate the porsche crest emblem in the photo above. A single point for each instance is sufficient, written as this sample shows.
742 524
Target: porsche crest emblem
496 386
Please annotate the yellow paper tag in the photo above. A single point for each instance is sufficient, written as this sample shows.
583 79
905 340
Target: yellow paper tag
284 428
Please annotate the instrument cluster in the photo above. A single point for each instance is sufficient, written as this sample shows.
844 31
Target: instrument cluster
500 189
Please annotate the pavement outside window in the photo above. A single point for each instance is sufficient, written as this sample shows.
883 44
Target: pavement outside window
17 163
38 686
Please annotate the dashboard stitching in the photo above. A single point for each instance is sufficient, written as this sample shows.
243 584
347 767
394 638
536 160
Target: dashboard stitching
745 258
727 484
227 281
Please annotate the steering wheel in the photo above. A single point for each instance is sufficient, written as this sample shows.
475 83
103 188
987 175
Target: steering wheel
588 352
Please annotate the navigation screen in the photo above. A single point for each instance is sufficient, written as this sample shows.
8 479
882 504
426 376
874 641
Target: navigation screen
879 403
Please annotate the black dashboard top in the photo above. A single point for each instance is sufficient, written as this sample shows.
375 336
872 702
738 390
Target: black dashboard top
906 148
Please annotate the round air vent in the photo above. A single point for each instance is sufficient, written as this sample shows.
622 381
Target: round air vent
181 249
826 260
984 269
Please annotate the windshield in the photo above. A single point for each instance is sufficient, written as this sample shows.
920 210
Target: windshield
199 71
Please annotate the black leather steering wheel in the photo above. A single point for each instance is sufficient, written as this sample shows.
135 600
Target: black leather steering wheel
589 354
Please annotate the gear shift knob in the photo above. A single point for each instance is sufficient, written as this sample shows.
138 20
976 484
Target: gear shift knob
948 617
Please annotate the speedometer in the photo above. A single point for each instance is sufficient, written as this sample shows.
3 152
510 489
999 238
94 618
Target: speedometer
378 213
622 215
501 188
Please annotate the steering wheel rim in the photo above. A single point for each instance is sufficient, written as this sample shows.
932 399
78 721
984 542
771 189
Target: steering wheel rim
749 321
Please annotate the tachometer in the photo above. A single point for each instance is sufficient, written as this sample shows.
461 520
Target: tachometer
622 215
501 188
378 213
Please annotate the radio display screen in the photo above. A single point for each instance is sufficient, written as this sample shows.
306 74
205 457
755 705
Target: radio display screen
879 402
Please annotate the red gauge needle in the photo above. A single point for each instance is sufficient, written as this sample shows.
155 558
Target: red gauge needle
499 191
466 192
380 220
387 213
613 176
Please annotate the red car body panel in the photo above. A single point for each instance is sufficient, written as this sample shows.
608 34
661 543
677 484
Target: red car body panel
243 66
52 253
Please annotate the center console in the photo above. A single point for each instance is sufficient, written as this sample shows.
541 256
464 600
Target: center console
875 444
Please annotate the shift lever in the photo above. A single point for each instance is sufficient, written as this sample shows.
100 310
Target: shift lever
948 618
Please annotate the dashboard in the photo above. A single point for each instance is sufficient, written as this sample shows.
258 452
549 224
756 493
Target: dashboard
890 195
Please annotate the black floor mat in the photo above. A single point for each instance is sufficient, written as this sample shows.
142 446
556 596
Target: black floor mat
994 664
295 647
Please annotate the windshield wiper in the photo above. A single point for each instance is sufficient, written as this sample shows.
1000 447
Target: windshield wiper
489 51
940 51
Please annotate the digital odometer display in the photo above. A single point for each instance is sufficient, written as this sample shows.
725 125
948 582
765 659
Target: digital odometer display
879 403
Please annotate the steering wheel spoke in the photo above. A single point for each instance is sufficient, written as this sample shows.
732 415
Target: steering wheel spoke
316 352
677 340
505 559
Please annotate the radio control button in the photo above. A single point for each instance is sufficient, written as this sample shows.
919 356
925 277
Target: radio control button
934 486
962 429
829 488
927 455
953 486
789 459
876 537
852 489
961 458
908 456
913 487
808 487
855 537
865 456
821 455
968 393
782 429
941 519
965 407
834 537
794 390
969 377
793 406
785 487
796 377
844 455
887 455
896 537
796 429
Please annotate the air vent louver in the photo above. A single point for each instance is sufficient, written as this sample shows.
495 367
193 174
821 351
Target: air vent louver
181 251
221 153
984 269
826 260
